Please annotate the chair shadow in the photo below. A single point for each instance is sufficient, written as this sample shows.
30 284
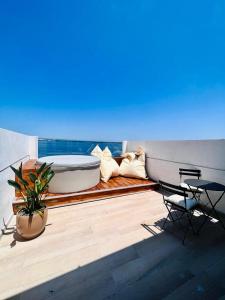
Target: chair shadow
177 228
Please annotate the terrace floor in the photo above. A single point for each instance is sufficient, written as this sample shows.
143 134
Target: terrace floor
113 249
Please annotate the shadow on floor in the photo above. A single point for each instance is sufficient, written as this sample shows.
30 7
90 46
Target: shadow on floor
16 237
155 268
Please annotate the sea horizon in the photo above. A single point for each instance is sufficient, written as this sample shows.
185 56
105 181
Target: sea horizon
47 147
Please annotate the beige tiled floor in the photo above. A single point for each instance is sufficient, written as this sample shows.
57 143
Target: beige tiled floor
101 250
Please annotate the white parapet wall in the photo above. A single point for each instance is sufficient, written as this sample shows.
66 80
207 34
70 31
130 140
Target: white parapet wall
164 158
14 149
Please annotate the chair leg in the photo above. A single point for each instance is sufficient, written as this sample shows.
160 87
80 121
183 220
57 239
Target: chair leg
165 221
206 218
218 217
167 217
180 217
186 231
169 208
190 216
185 235
169 213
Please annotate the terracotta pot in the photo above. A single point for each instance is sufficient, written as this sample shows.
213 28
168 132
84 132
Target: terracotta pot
30 227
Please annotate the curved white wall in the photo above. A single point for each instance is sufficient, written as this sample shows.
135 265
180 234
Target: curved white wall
164 158
13 147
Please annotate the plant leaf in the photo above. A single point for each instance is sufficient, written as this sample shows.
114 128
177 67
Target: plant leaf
17 172
50 176
32 177
33 193
15 184
38 186
45 173
20 169
41 168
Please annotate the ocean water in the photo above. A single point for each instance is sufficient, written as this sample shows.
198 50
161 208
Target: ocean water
48 147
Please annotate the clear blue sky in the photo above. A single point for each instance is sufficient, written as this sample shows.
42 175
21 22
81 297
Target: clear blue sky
113 69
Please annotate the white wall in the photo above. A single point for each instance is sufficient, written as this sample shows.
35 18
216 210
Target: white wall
13 147
164 158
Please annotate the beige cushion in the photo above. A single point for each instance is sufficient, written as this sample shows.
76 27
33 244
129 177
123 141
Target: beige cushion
97 151
129 155
179 200
133 165
108 167
107 153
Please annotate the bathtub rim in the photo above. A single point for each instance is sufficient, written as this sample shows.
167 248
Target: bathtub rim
90 163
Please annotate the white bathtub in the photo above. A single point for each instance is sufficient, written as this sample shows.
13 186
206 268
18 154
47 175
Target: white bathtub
73 173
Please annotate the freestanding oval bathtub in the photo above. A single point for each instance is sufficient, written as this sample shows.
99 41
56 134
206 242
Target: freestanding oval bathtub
73 173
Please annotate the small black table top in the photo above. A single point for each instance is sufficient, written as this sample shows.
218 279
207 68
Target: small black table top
205 185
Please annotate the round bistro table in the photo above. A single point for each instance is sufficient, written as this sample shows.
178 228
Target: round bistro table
208 186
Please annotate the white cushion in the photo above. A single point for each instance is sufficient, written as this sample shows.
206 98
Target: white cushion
97 151
129 155
133 165
107 153
108 167
179 200
190 187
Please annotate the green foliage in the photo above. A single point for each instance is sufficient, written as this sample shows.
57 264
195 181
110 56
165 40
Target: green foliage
33 192
19 175
32 177
14 184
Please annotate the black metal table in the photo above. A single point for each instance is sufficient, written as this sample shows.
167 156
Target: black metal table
208 186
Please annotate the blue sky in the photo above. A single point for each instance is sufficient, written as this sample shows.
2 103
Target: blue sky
112 69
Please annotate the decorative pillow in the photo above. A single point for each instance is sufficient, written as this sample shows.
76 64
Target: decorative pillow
109 167
107 153
133 164
97 151
129 155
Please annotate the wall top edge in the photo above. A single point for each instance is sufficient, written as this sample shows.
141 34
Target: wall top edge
3 130
174 141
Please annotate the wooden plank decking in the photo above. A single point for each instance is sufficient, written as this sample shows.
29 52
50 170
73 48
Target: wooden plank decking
116 186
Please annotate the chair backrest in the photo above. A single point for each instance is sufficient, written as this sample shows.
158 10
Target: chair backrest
190 172
174 189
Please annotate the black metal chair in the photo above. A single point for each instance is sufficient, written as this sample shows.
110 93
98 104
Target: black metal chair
193 173
178 201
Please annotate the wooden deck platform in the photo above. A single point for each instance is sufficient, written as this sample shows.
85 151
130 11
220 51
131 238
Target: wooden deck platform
116 186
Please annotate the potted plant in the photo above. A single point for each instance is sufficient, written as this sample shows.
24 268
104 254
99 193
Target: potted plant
31 219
